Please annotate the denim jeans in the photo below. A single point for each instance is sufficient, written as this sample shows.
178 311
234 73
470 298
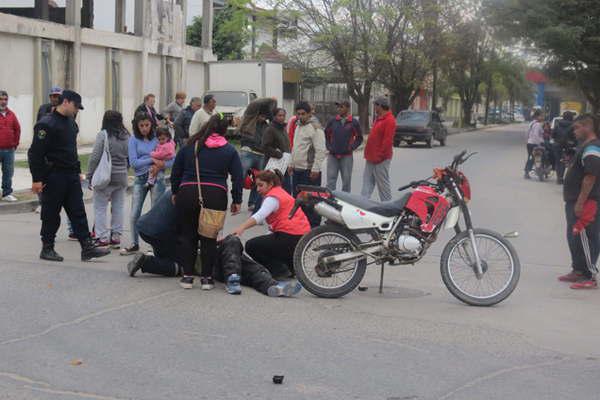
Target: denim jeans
7 158
140 190
339 166
115 195
252 161
302 177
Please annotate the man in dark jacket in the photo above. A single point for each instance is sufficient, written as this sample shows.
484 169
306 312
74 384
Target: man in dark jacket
342 137
158 228
148 107
252 127
182 123
563 138
47 108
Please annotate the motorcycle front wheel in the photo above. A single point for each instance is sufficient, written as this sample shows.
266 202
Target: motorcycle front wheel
499 262
328 280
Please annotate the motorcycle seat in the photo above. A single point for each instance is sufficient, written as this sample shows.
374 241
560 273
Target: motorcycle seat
386 208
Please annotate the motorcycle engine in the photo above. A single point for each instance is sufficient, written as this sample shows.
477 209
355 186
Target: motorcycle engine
409 244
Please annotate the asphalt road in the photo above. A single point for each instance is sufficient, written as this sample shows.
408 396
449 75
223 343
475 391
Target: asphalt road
87 331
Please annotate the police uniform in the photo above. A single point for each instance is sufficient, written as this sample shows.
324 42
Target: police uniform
53 160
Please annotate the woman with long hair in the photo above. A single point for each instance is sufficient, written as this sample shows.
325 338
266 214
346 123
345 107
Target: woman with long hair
276 142
141 145
114 131
276 250
217 159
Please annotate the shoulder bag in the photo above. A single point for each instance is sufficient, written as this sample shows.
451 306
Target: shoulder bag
101 176
210 222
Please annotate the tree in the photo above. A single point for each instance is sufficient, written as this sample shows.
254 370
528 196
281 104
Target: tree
230 33
467 52
351 33
567 32
408 63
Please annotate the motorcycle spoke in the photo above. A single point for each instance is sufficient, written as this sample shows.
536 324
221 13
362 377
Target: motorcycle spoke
496 262
333 243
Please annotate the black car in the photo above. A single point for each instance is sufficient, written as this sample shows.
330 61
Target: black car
419 126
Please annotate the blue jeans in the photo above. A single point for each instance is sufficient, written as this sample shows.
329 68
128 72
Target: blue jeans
140 191
302 177
7 157
252 161
340 166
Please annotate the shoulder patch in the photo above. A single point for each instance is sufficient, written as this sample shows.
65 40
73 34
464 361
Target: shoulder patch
41 134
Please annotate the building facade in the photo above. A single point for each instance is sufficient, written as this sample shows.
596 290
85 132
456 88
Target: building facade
111 70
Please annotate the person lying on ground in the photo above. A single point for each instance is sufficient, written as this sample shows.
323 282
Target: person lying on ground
286 232
158 228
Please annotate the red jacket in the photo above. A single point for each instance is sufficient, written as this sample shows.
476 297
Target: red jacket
381 140
10 130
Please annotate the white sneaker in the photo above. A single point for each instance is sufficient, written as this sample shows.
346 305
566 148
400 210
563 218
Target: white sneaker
38 209
10 198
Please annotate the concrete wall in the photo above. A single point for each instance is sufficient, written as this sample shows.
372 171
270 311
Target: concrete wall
17 64
93 87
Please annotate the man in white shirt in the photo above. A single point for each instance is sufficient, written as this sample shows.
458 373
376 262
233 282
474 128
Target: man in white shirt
203 115
535 137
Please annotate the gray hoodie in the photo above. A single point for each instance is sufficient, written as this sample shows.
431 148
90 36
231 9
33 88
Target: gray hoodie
117 146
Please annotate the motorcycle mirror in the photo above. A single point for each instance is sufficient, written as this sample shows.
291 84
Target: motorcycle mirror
511 235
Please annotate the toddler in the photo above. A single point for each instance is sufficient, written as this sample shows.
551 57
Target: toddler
164 151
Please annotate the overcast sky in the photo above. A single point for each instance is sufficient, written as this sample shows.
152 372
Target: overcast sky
104 11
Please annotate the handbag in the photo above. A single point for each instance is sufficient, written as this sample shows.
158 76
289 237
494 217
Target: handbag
101 176
210 222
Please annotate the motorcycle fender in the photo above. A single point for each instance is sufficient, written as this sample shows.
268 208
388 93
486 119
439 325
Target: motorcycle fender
452 218
357 218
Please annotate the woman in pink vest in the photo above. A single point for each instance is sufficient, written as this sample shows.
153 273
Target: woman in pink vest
276 250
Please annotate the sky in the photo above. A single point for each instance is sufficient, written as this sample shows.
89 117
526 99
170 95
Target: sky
104 11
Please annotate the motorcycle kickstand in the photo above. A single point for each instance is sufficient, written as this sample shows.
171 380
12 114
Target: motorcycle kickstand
381 278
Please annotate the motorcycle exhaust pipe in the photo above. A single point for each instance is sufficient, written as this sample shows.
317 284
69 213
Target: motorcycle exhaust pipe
511 235
352 255
327 211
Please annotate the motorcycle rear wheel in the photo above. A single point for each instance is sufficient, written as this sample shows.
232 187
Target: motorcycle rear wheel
329 239
501 265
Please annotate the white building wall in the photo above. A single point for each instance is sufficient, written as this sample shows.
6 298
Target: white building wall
195 86
274 81
17 65
93 90
265 78
130 85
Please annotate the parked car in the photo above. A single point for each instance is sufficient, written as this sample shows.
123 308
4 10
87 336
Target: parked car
233 103
419 126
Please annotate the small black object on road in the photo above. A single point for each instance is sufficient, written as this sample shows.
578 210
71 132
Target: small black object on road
278 379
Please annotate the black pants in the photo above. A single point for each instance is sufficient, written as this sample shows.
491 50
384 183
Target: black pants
302 177
164 261
559 167
275 251
187 209
63 190
231 260
529 163
587 243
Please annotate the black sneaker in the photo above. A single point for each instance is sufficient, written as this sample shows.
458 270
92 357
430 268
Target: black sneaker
207 283
89 251
49 254
136 264
127 251
187 282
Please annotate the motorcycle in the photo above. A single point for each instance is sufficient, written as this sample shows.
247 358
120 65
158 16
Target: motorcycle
542 166
478 266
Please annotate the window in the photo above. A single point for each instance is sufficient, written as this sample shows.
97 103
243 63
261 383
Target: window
46 67
169 81
116 80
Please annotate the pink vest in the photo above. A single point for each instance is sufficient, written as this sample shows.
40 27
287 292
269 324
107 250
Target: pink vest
279 220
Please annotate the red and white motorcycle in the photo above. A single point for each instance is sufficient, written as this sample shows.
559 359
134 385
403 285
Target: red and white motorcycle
478 266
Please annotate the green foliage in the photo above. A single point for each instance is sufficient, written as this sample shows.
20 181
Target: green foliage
566 32
230 30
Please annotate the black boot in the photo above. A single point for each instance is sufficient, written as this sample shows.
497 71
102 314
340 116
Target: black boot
89 250
49 254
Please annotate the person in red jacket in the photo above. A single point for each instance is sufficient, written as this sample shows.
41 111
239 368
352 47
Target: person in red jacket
10 133
378 152
276 250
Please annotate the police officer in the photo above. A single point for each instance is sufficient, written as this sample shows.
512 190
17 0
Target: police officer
54 166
